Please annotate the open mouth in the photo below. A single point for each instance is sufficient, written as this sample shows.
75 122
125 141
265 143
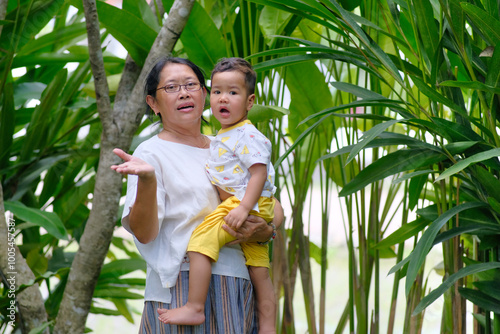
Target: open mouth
185 106
224 111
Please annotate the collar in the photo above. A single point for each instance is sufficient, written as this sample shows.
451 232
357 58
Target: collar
237 125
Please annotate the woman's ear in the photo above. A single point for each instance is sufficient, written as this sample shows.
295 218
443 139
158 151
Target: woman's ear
151 101
250 101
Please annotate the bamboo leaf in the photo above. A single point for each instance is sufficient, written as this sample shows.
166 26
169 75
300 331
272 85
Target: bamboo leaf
393 163
489 182
466 271
426 241
412 175
368 136
491 288
487 24
434 95
481 299
462 164
471 85
426 25
403 233
353 105
48 220
415 187
7 124
369 43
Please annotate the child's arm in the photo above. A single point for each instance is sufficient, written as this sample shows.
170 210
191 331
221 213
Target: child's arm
258 177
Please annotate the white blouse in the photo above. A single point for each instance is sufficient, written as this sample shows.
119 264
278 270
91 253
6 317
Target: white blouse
185 196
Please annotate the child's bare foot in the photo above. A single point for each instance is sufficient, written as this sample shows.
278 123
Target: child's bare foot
185 315
161 310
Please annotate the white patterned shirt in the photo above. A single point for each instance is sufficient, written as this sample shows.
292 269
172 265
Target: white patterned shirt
233 151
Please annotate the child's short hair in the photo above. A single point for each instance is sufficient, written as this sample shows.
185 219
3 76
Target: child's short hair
237 64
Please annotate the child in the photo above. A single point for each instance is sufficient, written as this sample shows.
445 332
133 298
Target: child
240 167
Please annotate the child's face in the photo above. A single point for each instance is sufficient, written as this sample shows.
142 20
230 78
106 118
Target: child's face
229 99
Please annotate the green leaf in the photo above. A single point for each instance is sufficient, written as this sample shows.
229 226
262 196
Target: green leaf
426 241
121 267
403 233
370 44
491 288
69 33
462 164
358 103
471 85
463 272
201 39
41 329
434 95
122 307
368 136
48 220
495 205
481 299
115 292
36 134
7 124
393 163
35 20
489 26
415 187
142 10
260 113
131 31
412 175
426 26
272 21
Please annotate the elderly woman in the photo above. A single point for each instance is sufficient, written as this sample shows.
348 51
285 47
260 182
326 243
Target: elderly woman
169 194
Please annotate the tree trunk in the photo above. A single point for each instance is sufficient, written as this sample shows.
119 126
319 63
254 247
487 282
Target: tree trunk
15 272
119 127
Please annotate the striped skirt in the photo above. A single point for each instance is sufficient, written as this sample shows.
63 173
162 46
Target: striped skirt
229 308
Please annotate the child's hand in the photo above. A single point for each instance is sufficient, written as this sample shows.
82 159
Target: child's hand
236 217
132 165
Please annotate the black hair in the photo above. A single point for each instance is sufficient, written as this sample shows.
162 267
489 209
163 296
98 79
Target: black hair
241 65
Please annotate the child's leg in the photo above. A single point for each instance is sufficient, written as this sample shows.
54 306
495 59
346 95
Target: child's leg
266 300
193 313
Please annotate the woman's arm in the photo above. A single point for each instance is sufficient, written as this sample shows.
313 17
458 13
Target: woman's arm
256 228
143 216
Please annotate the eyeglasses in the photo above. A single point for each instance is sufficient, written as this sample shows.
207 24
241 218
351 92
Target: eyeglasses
174 88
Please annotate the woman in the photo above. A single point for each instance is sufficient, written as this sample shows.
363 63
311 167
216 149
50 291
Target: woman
168 195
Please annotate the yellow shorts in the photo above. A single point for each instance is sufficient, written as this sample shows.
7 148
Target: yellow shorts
209 236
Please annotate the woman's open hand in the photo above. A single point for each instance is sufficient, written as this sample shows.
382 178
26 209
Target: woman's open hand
132 165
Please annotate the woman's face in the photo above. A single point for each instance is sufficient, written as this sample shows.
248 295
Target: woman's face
182 108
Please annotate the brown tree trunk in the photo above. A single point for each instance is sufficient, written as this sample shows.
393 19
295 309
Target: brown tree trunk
16 272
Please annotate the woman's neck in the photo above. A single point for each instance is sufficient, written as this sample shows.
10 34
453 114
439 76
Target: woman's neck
184 136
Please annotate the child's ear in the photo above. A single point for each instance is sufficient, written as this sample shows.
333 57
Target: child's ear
250 101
